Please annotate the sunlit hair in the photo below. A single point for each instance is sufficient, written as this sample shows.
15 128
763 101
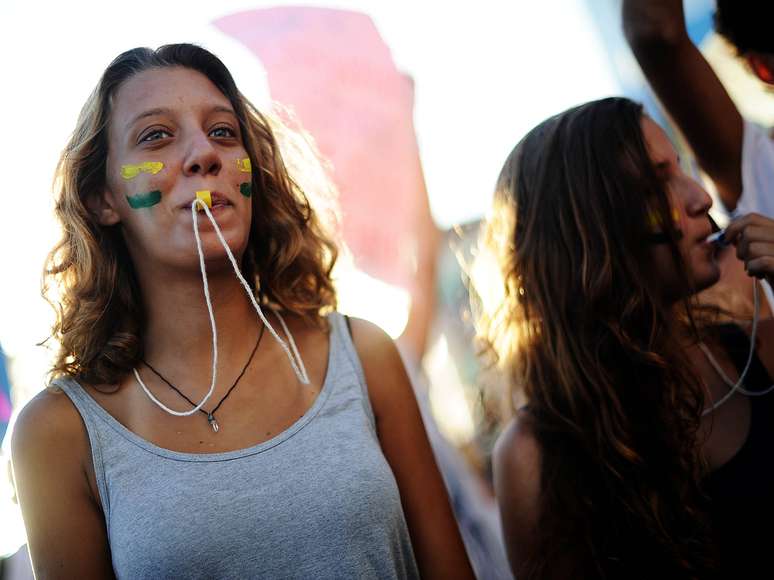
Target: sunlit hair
89 276
585 332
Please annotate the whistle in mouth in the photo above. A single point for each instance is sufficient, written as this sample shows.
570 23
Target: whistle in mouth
718 238
206 197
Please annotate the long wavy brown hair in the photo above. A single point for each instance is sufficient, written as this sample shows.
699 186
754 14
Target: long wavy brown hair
585 332
89 277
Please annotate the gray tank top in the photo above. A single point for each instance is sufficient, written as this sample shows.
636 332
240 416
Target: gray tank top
317 501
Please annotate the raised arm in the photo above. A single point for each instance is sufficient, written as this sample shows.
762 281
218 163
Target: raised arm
56 490
689 90
435 536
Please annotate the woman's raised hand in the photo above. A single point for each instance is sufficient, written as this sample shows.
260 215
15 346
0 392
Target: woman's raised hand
753 237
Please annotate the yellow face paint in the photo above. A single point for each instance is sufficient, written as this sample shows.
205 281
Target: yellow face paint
244 165
132 171
654 221
206 197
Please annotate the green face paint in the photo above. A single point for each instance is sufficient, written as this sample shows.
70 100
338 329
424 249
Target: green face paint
246 189
142 200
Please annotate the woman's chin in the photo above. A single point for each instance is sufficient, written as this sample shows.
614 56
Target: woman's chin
185 257
707 279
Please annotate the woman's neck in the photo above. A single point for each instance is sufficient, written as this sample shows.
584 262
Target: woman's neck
178 326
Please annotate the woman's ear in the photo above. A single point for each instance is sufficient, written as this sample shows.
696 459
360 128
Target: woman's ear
101 207
762 65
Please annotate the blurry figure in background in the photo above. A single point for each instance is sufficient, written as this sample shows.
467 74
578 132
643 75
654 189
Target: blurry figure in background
14 560
14 563
736 154
462 413
470 494
177 207
633 456
17 566
334 73
5 396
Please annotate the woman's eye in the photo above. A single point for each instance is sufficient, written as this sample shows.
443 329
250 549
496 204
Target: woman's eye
222 133
155 135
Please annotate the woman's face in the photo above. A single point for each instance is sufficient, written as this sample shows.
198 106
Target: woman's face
690 206
171 134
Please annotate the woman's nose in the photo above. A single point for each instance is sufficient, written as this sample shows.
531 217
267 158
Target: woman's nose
202 158
700 200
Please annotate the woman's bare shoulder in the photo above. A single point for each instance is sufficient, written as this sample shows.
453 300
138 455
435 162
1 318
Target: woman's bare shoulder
49 424
517 487
517 455
57 491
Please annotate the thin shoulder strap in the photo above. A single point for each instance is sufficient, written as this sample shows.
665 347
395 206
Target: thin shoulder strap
88 410
351 355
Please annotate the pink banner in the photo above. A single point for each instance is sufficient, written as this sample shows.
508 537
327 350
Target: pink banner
333 70
5 408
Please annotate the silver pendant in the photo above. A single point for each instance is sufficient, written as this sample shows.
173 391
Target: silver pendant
213 423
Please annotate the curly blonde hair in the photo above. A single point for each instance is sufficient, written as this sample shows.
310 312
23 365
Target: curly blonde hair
89 278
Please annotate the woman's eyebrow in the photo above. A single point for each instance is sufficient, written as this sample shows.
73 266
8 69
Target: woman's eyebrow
165 110
222 109
148 113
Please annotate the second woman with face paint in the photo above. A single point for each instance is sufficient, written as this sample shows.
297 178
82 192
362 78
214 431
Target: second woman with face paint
629 459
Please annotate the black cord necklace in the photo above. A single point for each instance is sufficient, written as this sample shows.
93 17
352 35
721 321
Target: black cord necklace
211 414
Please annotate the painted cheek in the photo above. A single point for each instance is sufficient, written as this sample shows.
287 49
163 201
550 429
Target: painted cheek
129 172
144 200
147 197
676 217
655 222
244 165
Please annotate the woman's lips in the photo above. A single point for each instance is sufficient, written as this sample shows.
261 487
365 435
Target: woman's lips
218 201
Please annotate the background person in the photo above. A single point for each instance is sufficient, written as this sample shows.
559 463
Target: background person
619 466
736 154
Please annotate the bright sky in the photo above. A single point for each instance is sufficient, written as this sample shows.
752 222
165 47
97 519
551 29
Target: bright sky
485 72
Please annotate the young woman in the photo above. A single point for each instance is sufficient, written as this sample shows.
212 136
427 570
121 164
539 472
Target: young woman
628 460
193 431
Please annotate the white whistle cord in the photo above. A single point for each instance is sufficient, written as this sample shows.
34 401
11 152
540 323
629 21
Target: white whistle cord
296 363
738 385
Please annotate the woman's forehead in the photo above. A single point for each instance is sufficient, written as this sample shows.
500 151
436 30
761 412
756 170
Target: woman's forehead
660 148
164 89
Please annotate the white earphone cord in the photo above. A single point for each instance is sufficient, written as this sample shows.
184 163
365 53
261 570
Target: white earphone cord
738 385
296 363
